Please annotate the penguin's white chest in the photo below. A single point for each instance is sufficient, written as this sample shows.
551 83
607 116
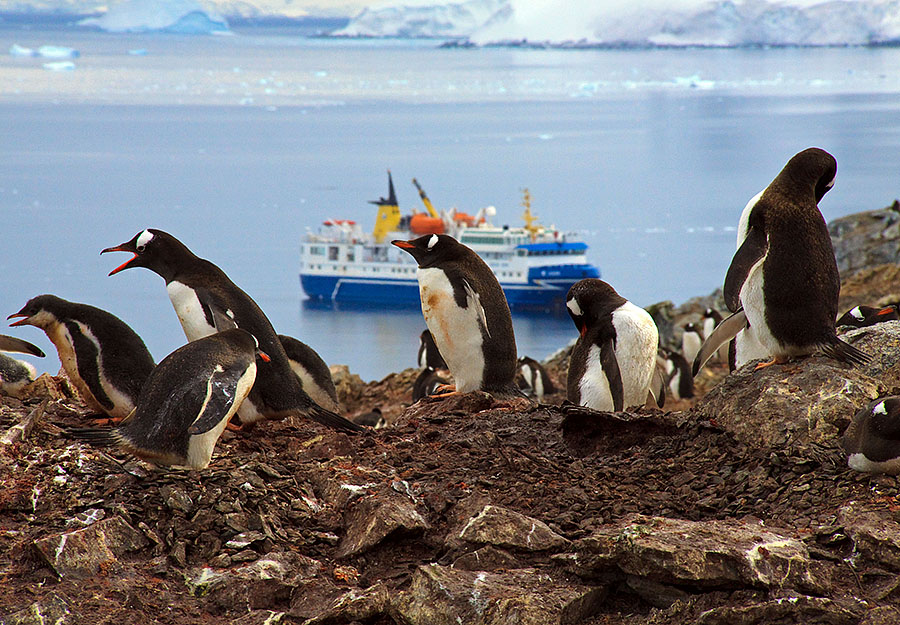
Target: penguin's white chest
858 462
189 310
594 386
753 300
636 347
456 330
690 345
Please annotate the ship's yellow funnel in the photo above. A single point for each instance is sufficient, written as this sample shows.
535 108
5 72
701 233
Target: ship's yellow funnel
388 217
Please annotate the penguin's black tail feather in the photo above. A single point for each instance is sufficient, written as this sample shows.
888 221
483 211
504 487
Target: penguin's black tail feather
96 437
844 352
332 420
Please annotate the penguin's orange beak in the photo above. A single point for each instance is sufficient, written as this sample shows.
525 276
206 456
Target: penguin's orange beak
403 245
120 248
264 356
885 311
20 322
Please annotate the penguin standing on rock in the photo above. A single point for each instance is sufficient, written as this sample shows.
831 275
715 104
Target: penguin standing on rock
783 281
207 301
187 402
16 374
613 362
872 441
534 379
103 357
467 313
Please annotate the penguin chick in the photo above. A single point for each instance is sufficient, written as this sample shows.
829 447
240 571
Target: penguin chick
784 275
103 357
16 374
467 313
207 301
187 402
865 316
534 378
680 380
429 356
872 441
314 373
427 383
371 419
614 358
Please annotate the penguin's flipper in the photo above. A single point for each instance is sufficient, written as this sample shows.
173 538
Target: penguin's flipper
723 333
749 253
220 393
219 317
613 375
12 344
658 383
844 352
87 360
474 301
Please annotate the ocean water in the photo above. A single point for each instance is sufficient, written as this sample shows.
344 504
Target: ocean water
238 144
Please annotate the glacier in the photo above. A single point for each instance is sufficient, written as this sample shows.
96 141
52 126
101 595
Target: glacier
637 23
171 16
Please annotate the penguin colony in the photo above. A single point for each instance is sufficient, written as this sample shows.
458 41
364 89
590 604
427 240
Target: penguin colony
781 289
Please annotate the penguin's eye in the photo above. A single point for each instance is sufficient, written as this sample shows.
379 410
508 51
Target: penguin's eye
432 241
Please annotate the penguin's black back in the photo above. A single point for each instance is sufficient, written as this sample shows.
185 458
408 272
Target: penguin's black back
173 395
800 275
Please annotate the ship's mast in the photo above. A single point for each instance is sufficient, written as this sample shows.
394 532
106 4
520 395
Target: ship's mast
531 224
428 205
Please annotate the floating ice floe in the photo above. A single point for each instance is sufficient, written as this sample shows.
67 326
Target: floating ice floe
60 66
17 50
186 17
47 52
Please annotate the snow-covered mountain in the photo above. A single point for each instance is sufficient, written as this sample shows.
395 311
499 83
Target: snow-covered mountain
639 22
229 8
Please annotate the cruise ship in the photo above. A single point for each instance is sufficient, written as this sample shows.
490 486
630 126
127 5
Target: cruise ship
535 265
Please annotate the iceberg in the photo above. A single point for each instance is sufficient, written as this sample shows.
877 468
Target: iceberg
638 23
170 16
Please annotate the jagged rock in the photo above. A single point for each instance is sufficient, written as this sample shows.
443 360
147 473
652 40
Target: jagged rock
865 239
505 528
349 386
440 595
52 609
266 584
487 558
355 605
339 482
260 617
882 615
83 552
698 554
787 610
376 517
875 534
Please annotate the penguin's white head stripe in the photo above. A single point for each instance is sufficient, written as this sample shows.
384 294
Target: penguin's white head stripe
432 241
572 305
879 409
857 313
143 239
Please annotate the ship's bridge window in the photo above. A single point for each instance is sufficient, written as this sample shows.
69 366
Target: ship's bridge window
351 256
317 250
332 252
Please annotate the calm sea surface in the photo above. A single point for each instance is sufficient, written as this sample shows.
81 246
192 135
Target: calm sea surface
238 144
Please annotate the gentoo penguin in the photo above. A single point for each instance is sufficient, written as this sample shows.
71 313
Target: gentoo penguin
206 301
680 380
783 278
865 316
614 359
187 402
467 313
103 357
710 320
429 356
16 374
314 374
872 441
427 383
534 379
371 419
691 340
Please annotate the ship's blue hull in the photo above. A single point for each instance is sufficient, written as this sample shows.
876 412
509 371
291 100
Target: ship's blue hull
546 288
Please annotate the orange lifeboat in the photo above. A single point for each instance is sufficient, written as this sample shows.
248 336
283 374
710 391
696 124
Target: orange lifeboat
420 223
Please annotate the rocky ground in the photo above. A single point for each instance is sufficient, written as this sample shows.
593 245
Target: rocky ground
733 508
